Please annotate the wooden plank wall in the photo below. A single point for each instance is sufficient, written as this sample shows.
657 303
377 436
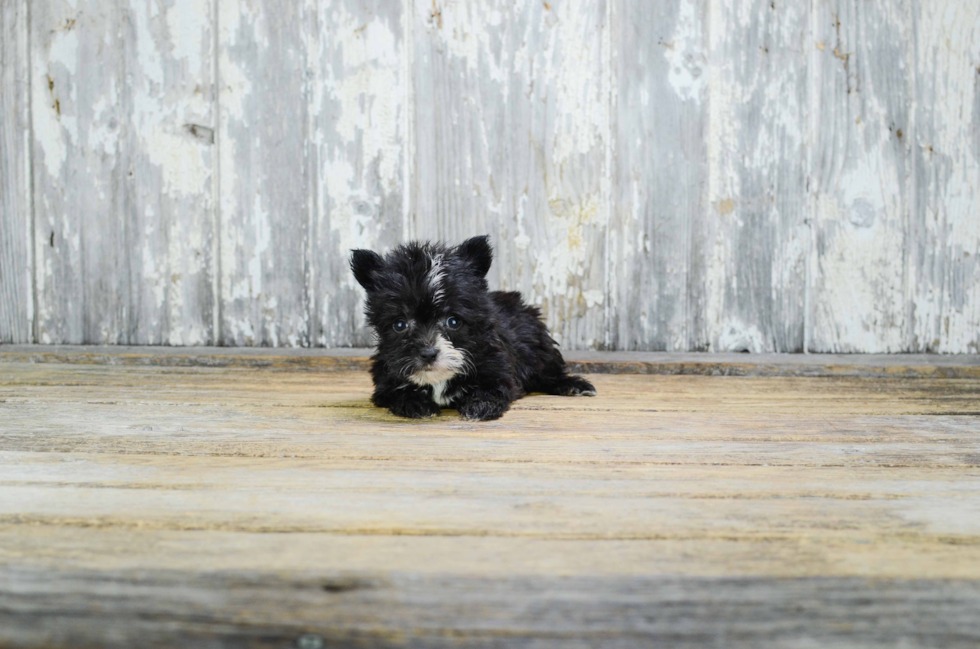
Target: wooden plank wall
744 175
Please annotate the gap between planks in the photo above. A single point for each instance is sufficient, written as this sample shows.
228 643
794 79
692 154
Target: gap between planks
667 363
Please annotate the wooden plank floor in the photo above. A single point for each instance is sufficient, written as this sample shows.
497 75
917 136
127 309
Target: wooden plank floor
153 505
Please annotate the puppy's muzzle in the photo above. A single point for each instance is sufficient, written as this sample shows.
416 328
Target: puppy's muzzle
429 354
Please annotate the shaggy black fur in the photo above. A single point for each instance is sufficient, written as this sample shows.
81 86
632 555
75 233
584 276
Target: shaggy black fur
445 339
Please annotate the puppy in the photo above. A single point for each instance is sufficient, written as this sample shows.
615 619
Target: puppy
445 340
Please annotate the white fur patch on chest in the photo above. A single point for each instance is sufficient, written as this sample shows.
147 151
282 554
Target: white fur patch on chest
439 393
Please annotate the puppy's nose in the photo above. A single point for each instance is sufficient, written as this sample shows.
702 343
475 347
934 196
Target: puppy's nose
429 354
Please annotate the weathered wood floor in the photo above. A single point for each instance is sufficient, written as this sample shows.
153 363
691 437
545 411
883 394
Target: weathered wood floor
268 507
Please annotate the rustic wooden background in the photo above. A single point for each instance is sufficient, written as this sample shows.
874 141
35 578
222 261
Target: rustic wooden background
760 175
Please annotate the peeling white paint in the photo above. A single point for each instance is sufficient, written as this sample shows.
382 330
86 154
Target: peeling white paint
377 127
583 117
863 190
367 99
946 316
187 27
593 298
55 72
148 56
235 85
185 164
48 130
261 230
469 32
560 274
736 336
63 49
685 54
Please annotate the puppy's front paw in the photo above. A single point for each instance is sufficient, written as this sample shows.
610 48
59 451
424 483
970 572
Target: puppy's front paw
483 410
414 409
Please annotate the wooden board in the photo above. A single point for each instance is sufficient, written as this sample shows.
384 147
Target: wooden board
659 187
311 133
328 360
199 506
16 282
122 125
360 107
944 228
266 172
861 89
750 279
510 139
327 609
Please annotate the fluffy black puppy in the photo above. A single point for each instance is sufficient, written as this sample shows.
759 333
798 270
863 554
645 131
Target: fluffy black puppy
445 340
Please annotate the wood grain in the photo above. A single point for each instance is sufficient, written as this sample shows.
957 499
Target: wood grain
16 285
225 506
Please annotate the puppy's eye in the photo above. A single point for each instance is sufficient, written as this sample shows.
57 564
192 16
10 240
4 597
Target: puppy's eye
453 322
401 326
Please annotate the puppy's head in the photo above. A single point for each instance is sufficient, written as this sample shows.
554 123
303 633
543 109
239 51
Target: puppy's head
428 305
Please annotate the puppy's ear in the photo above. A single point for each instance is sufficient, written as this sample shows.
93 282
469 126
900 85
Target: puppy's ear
478 252
365 264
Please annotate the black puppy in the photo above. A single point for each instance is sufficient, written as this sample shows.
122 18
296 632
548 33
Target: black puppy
445 340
